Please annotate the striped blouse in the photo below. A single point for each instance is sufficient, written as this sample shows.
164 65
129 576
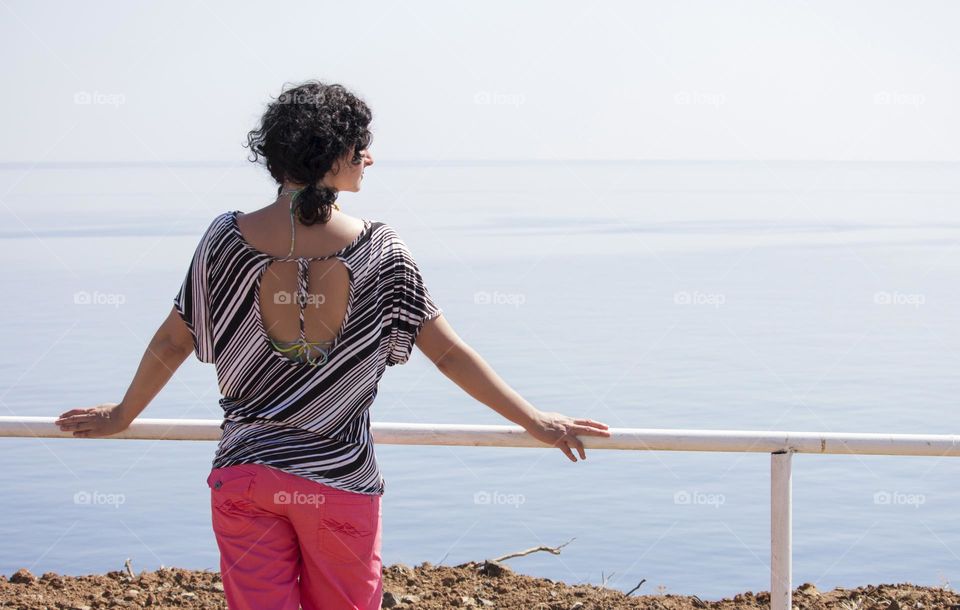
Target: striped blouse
311 421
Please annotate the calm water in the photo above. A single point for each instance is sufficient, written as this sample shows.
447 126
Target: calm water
791 296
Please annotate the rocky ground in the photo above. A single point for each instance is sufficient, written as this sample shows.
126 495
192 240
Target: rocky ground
429 587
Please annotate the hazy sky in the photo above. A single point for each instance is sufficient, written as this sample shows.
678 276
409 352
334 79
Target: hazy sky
179 81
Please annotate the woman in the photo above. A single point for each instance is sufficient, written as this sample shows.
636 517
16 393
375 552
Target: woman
301 307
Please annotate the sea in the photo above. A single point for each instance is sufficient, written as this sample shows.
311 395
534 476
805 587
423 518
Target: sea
801 296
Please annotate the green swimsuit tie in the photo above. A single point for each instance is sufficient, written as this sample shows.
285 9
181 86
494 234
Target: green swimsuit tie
300 349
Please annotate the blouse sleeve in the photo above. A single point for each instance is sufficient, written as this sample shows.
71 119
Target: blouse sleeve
411 305
192 302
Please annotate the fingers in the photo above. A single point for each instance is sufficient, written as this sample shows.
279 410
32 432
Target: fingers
86 430
591 424
82 424
590 431
85 427
72 412
562 444
73 420
565 443
579 445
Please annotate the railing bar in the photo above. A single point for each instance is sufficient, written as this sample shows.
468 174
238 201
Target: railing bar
634 439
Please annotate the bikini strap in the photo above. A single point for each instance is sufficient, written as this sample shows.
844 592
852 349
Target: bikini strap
303 268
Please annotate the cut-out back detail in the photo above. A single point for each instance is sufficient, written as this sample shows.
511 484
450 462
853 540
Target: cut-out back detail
301 350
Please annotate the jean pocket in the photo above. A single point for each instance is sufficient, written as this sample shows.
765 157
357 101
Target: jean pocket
349 529
230 499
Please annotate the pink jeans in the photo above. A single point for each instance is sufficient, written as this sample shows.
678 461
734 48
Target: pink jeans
273 527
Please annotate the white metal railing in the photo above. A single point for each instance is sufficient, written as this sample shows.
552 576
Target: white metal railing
780 445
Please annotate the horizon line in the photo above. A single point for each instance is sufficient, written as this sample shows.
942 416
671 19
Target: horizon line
119 164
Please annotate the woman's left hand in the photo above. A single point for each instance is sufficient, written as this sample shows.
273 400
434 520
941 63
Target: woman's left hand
561 431
93 422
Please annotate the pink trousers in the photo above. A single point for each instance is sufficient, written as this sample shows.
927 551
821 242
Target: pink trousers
286 541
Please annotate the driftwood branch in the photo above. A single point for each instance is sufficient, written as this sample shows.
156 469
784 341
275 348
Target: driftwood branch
637 587
536 549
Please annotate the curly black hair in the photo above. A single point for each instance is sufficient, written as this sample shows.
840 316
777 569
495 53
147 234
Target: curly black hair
303 132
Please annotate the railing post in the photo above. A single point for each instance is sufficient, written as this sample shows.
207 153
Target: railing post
781 527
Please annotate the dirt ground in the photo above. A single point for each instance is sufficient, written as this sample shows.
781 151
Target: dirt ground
470 585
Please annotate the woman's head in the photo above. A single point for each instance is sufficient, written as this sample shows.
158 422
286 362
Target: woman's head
314 135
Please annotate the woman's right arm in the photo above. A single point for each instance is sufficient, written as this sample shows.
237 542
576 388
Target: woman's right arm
465 367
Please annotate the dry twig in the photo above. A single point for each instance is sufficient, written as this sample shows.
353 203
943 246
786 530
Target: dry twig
637 587
536 549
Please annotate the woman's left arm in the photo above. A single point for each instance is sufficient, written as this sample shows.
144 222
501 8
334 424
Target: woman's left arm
170 346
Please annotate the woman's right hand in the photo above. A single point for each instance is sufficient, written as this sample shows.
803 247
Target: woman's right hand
93 422
560 431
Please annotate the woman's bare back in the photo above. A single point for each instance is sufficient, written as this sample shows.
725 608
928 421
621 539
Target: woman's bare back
328 286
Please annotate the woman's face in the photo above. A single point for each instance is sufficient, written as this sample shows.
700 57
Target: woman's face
348 176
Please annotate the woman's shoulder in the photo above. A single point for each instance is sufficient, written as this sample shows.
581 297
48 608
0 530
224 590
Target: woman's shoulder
220 224
384 233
